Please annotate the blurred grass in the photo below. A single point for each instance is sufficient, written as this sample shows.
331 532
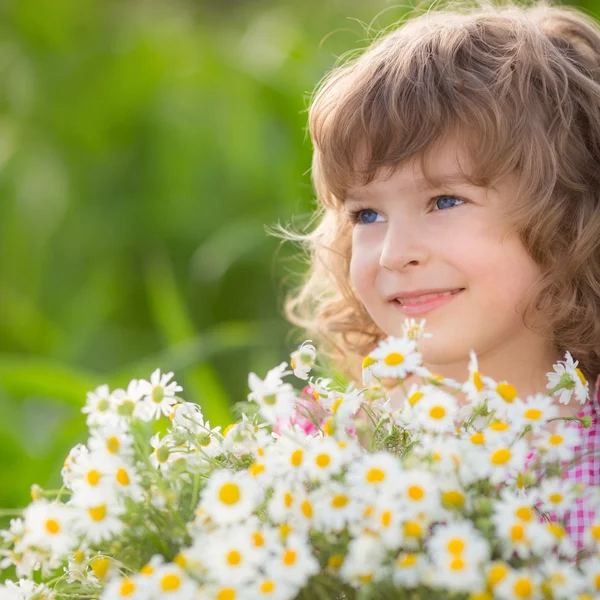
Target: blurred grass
144 144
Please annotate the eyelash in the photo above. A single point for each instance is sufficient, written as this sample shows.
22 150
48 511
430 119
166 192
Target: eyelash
354 215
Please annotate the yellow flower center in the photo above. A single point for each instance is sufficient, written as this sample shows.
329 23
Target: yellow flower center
478 438
93 477
414 398
386 518
501 456
336 405
258 539
122 477
113 445
375 475
533 414
52 526
335 561
580 375
229 494
339 501
523 588
180 560
524 513
453 498
596 531
296 458
393 359
307 509
517 533
170 582
100 567
98 513
457 564
499 426
506 391
323 460
289 557
234 558
256 469
556 498
456 546
477 381
267 586
226 594
412 529
288 499
415 493
437 412
556 439
368 361
127 588
497 574
406 560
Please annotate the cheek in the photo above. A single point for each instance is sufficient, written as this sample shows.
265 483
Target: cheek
502 272
363 268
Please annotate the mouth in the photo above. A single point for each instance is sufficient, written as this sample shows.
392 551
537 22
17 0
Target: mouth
420 304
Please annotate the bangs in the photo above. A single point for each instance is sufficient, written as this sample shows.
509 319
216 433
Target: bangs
414 89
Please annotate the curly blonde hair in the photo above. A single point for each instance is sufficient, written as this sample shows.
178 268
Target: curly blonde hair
524 83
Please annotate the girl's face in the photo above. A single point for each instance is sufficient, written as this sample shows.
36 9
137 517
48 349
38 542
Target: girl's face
408 239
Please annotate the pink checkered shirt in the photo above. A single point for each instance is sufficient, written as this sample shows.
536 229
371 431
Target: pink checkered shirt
587 471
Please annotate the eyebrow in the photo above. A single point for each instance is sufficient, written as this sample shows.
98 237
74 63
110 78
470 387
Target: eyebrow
421 184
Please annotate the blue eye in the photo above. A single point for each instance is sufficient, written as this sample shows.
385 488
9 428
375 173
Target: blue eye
445 202
367 216
363 216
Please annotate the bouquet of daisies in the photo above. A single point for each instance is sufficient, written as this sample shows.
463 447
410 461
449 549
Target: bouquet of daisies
318 492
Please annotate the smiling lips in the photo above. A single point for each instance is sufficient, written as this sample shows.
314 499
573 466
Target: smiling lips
421 301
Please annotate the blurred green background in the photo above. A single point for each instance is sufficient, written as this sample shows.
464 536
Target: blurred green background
144 146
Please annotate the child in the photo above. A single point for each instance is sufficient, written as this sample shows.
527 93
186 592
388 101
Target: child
457 169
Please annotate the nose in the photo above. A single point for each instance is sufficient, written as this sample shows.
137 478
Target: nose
403 247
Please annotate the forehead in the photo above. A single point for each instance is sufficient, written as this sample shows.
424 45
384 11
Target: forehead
444 164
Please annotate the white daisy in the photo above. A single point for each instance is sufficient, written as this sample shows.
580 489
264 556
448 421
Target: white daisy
556 495
408 569
275 398
99 406
498 461
436 411
363 563
270 587
303 360
136 587
325 458
98 522
373 473
170 582
334 507
396 357
415 331
113 442
569 380
48 526
231 557
536 411
561 580
344 406
125 401
294 563
523 584
474 387
559 444
158 396
230 497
